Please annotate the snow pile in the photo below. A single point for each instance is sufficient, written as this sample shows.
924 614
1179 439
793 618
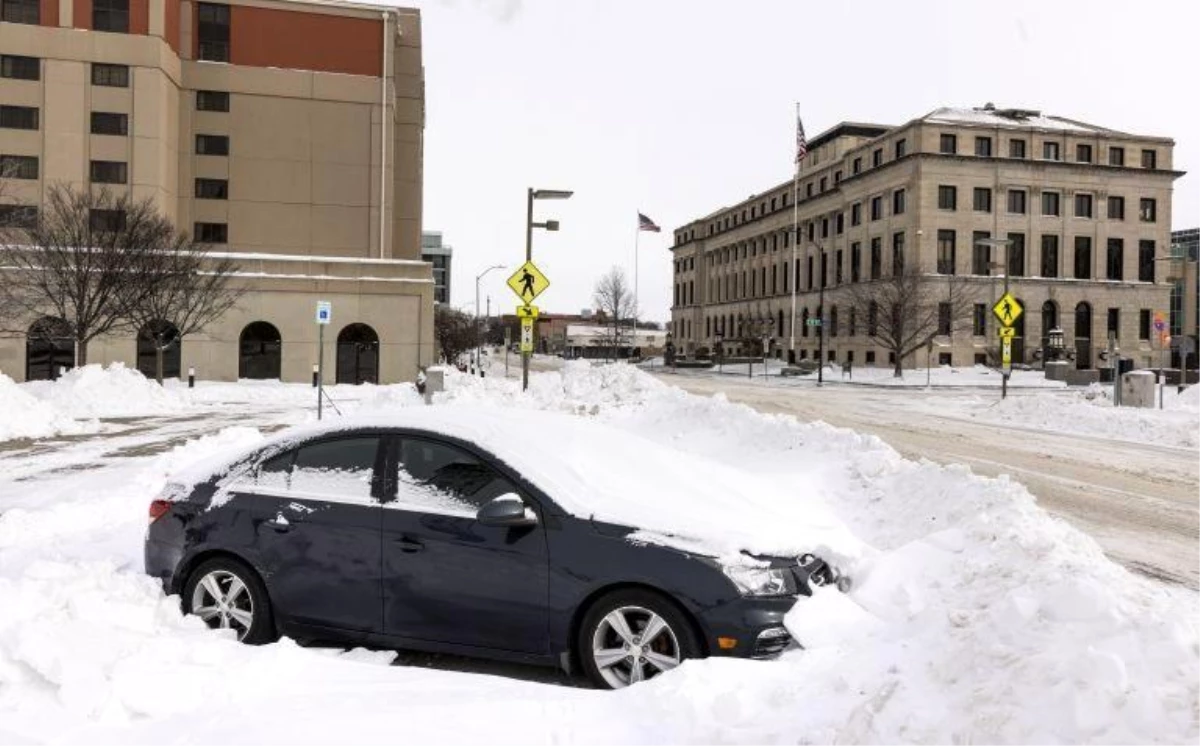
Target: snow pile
974 616
112 391
22 415
379 398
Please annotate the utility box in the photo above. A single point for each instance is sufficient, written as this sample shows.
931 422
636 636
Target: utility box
1056 370
435 381
1137 389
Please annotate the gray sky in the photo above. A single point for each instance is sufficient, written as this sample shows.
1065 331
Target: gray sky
677 108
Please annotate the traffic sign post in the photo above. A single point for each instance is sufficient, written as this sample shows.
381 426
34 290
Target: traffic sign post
1006 310
324 316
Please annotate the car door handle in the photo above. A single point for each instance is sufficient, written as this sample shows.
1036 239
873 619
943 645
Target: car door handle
409 545
279 524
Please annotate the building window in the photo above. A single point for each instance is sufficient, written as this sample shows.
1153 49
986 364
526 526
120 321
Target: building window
877 158
944 319
824 269
837 268
1116 156
20 11
212 189
856 213
110 15
857 168
979 320
982 199
948 144
18 216
947 197
1016 201
876 208
946 240
898 202
1114 323
1050 151
19 117
113 76
1116 259
109 172
19 166
1083 205
1144 324
840 223
983 147
1049 256
824 186
1149 159
901 148
898 253
812 231
1016 148
1083 153
1116 208
876 258
824 227
212 100
20 68
106 220
1147 210
981 254
110 123
1146 261
211 233
1016 255
212 145
808 190
837 179
1083 257
855 261
213 32
1051 203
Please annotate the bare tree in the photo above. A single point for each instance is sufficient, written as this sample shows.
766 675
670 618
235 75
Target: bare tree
88 259
614 300
456 332
187 290
905 311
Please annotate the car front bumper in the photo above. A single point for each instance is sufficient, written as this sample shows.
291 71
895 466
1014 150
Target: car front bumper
748 627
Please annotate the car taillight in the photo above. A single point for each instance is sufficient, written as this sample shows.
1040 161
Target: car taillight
159 508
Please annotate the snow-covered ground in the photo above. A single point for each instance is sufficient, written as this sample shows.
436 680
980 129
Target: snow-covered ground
974 617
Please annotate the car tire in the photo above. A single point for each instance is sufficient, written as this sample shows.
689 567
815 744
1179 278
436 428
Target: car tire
226 593
616 655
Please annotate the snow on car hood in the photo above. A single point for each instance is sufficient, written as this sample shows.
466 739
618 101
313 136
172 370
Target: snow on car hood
594 471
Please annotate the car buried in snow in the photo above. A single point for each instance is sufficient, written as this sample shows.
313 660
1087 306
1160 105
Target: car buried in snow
526 536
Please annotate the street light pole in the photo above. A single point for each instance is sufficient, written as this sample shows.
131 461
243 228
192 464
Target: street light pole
478 277
550 225
1006 243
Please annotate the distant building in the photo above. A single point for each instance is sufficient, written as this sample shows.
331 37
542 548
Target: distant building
597 341
439 255
1185 294
1087 211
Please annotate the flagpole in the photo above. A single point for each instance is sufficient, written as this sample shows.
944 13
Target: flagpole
795 241
637 234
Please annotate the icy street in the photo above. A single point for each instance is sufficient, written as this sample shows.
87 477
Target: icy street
975 615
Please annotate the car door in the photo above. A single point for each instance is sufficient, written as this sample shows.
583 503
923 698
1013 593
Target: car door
446 577
317 531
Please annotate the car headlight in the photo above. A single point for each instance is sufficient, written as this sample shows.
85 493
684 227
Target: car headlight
762 581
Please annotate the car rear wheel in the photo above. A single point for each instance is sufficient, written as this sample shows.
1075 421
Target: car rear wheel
226 594
630 636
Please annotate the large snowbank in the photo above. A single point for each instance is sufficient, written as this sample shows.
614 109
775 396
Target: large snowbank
106 391
977 617
23 415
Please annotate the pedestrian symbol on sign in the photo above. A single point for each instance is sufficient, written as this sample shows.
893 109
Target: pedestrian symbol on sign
527 283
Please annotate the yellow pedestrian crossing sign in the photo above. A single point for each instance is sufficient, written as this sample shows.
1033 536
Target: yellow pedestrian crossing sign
1007 310
528 282
527 312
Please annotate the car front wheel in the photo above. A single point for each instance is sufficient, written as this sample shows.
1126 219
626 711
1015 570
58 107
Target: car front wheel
630 636
227 594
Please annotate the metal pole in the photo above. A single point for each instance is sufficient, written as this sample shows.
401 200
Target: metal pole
637 234
528 257
795 240
320 365
1007 267
477 366
821 325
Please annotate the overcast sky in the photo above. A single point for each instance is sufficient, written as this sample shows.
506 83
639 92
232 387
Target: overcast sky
677 108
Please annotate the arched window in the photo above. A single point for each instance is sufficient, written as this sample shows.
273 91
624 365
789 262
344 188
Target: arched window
1083 335
357 355
1018 342
261 351
49 348
147 356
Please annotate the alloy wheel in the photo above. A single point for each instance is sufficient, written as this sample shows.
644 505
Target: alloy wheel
222 600
632 644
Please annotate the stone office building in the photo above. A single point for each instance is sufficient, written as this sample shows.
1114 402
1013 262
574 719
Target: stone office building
286 133
1087 211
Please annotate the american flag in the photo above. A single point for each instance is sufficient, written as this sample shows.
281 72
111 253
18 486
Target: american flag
646 224
801 141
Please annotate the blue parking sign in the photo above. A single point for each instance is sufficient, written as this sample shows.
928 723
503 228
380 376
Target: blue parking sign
324 311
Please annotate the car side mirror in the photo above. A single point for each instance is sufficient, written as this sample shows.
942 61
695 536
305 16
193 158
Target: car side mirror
506 510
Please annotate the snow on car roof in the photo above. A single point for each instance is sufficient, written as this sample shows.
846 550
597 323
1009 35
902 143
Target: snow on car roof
592 470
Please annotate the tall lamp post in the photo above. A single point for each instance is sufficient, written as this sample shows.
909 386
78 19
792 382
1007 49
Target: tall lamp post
1006 243
550 225
821 317
478 345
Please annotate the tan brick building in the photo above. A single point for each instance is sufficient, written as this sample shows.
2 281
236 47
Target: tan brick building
1088 211
285 132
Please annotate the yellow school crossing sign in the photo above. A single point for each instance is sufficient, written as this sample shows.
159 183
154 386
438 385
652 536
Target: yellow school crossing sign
528 282
1007 310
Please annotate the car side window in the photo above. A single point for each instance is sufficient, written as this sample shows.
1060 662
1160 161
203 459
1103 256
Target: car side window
339 469
273 473
435 477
